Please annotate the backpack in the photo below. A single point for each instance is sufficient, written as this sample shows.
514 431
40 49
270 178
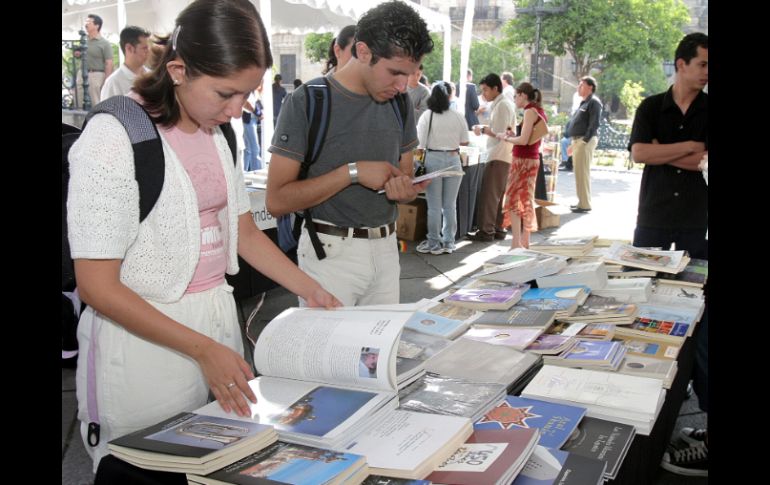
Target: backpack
318 110
149 165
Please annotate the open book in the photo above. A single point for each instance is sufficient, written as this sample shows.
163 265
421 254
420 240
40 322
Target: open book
324 372
329 381
444 172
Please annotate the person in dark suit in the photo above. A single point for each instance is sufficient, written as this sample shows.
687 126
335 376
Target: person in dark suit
471 102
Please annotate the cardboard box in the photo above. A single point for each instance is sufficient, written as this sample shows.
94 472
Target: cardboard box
548 213
412 222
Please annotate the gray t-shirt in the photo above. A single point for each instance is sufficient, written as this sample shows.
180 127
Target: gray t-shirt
359 129
98 51
419 96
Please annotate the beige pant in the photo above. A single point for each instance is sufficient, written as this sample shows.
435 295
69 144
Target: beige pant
95 83
582 155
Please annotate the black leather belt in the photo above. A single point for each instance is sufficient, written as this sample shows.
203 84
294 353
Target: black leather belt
445 151
358 232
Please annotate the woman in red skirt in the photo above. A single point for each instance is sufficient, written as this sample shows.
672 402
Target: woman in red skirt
519 205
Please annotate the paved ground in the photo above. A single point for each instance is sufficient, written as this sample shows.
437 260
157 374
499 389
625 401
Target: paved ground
615 194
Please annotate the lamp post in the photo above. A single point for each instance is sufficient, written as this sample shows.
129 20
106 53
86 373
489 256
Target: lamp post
538 10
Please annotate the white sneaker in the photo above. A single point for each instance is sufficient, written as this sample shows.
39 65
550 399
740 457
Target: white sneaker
426 247
448 248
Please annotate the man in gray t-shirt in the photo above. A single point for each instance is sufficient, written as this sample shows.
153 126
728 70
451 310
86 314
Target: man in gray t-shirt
365 150
98 58
418 93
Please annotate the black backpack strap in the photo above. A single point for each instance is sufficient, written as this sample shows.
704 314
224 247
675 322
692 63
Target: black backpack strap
399 104
148 150
227 130
318 109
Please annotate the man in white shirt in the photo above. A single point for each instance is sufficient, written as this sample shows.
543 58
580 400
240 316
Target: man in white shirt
508 90
134 42
489 214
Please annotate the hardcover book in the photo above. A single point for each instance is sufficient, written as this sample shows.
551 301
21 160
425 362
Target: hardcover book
190 442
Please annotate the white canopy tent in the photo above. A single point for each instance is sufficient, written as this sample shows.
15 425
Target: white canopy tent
279 16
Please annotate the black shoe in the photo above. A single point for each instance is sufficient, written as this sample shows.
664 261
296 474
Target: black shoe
578 210
500 235
481 237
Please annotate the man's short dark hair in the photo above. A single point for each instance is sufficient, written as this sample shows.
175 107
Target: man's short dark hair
297 83
96 20
688 47
492 80
393 29
277 78
132 35
591 82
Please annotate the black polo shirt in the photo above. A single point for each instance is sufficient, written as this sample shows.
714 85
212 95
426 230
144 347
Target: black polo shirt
670 197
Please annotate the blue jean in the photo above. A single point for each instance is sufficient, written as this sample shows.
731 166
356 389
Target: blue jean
695 242
442 197
251 156
565 141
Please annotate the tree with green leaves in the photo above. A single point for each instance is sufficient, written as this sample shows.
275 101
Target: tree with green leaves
317 46
485 56
601 33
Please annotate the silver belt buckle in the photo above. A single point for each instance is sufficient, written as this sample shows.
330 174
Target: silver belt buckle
373 232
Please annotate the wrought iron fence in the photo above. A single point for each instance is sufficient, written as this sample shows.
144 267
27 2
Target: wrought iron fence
610 138
70 66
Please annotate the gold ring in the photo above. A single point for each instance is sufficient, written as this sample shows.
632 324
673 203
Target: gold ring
231 385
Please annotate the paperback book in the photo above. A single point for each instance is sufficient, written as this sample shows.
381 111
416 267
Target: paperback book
555 421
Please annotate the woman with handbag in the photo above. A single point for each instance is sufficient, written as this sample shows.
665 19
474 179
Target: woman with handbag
441 131
519 204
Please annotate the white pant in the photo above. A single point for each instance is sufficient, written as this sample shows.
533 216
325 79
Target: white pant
139 383
357 271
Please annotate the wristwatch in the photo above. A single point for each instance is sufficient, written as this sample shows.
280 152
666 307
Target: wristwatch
353 171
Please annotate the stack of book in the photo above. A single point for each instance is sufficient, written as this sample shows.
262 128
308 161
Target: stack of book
192 443
656 260
604 309
489 456
516 317
566 246
662 323
436 325
487 295
283 463
517 338
607 395
694 274
627 290
639 365
547 344
579 293
590 274
602 355
482 362
522 270
649 347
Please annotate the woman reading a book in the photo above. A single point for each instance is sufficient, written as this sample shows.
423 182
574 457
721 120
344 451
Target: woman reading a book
161 329
519 204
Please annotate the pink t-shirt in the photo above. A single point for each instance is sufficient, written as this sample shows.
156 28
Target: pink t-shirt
200 159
